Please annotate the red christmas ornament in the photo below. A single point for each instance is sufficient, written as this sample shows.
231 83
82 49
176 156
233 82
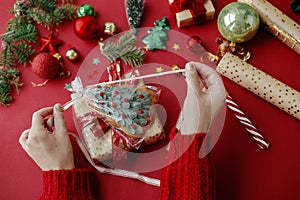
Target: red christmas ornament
45 65
86 27
194 43
50 44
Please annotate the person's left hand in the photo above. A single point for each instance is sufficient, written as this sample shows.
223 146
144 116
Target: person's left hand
51 150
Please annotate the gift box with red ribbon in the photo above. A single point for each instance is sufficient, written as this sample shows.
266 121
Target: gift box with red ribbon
191 12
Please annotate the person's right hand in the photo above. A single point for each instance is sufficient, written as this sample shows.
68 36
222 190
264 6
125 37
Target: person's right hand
205 97
50 150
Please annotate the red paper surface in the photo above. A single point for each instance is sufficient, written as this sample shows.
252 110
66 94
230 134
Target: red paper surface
242 170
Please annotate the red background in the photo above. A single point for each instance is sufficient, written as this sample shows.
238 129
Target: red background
242 170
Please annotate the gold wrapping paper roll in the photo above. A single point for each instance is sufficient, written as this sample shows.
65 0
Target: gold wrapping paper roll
261 84
279 24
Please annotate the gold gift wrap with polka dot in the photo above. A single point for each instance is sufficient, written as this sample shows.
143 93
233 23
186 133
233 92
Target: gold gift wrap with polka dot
261 84
278 23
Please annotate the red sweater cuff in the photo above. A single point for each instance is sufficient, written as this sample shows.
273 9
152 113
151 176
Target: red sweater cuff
187 177
74 184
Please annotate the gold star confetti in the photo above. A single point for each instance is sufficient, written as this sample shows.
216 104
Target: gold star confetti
176 47
175 67
159 69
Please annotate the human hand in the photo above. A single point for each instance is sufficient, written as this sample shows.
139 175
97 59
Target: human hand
204 99
51 150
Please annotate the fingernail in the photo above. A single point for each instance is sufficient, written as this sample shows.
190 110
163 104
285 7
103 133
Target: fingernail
58 107
189 66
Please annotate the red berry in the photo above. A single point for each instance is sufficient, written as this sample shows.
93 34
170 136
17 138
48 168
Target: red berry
101 94
141 96
114 105
101 103
140 111
133 126
125 100
116 92
123 116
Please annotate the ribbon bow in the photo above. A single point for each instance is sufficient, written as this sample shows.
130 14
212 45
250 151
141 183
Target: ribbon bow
196 8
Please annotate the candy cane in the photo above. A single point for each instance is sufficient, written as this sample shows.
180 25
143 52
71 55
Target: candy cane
241 116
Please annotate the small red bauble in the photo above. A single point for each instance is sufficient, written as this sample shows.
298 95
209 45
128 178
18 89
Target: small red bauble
194 43
45 65
86 27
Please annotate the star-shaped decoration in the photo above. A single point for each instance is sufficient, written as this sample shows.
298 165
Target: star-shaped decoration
96 72
159 69
176 47
68 86
93 74
90 76
96 61
50 44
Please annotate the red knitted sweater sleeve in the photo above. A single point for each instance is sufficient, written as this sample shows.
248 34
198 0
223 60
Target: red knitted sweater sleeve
74 184
187 177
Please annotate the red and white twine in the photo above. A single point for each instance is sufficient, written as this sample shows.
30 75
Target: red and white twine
252 130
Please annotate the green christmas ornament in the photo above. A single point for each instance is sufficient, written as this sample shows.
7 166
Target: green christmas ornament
157 35
238 22
163 23
155 39
86 9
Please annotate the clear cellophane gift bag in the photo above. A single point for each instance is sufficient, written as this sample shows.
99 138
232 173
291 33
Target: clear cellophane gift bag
114 119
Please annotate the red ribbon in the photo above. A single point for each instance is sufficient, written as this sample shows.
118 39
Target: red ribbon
196 8
98 128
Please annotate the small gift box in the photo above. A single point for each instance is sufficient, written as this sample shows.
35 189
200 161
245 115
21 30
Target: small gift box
192 12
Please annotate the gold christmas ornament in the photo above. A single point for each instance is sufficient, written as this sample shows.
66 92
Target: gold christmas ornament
72 54
110 28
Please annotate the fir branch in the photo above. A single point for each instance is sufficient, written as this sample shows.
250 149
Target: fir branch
32 3
66 1
8 77
5 92
126 39
41 17
110 51
26 32
22 52
124 49
133 58
65 12
7 57
47 5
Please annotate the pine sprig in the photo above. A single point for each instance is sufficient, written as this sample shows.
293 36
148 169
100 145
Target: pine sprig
64 12
66 1
134 57
22 52
47 5
7 57
8 77
25 33
126 39
124 49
